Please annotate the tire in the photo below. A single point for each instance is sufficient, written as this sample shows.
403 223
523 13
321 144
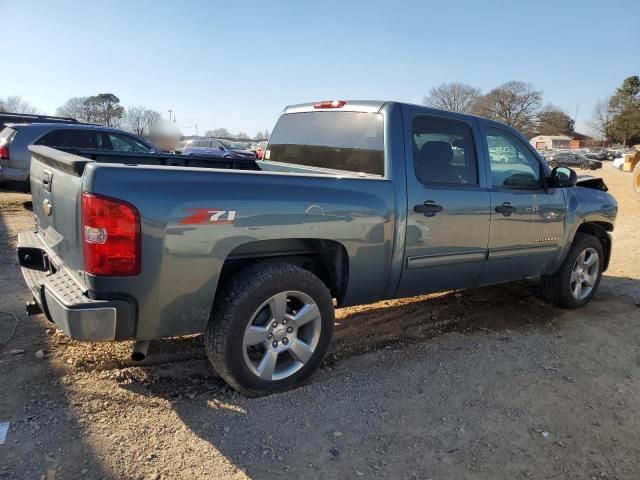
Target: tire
584 166
635 183
559 287
553 164
248 305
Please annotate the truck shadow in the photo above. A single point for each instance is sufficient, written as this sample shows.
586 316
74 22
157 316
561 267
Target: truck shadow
44 439
236 427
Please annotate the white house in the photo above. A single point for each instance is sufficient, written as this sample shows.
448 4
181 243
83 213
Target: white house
546 142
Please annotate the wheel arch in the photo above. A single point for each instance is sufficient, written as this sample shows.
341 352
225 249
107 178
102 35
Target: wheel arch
599 229
327 259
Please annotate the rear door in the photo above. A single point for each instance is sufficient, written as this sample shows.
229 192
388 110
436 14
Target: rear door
527 219
448 204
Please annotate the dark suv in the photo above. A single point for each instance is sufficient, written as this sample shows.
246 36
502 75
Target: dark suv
15 139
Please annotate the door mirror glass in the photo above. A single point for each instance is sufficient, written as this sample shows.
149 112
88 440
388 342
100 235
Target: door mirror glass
563 177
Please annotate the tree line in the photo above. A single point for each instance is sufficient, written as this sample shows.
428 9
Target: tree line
617 118
516 103
224 133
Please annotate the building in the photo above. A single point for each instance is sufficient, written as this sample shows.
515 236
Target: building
547 142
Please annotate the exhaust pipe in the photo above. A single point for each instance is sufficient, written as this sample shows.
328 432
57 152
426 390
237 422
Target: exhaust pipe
139 352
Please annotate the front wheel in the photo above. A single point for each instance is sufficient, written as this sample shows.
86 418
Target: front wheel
270 328
553 164
584 166
578 278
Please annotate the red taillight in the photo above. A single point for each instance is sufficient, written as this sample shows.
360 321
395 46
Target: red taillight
330 104
4 152
110 236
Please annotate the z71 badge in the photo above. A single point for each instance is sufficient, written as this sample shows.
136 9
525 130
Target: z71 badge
200 216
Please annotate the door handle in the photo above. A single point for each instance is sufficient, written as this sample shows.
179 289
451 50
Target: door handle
506 209
429 208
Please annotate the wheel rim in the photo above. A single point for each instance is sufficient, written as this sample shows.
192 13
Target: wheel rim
584 273
282 335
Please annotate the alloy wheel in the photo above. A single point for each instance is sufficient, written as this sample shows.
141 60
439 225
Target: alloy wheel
282 335
584 273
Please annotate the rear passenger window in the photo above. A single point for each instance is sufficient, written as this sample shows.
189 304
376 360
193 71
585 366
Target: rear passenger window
443 151
69 139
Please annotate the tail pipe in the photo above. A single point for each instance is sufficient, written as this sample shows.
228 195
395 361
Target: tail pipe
139 351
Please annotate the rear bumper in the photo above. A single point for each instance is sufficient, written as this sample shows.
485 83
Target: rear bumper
66 303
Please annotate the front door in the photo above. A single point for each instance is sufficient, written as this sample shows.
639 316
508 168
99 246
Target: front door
448 204
527 220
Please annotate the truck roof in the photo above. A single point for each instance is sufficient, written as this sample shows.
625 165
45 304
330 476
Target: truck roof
366 106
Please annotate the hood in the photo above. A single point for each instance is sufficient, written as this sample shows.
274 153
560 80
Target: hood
588 181
245 153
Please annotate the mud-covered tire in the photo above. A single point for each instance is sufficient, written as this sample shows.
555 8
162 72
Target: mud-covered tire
556 288
238 304
635 182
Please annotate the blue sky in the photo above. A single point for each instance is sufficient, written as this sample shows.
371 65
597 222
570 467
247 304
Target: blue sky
236 64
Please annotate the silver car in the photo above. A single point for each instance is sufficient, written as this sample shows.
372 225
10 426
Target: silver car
15 158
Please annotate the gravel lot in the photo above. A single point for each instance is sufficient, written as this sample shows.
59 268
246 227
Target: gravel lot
487 383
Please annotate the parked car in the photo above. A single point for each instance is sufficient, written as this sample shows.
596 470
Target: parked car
16 138
29 118
355 202
216 148
601 155
573 160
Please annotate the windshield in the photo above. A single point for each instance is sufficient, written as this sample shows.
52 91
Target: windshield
350 141
234 145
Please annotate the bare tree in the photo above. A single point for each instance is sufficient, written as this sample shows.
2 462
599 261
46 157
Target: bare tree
15 104
218 133
134 120
515 103
242 136
150 119
455 97
76 108
601 119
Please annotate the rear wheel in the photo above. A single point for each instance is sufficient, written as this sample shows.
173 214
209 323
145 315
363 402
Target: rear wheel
584 166
578 278
553 164
270 328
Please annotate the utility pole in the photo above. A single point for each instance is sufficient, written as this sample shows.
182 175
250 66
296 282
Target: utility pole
575 118
170 112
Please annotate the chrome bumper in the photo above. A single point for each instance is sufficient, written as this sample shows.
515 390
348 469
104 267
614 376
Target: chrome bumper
66 303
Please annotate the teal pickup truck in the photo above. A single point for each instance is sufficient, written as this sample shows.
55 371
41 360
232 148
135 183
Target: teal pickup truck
354 202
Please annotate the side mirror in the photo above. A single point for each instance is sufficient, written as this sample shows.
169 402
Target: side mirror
563 177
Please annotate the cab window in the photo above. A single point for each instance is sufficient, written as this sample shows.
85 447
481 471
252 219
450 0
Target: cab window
513 165
443 151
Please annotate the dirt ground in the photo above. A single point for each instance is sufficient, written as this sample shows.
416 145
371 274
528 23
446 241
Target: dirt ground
486 383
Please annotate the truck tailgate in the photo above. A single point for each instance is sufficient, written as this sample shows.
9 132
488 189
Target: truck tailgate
56 185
